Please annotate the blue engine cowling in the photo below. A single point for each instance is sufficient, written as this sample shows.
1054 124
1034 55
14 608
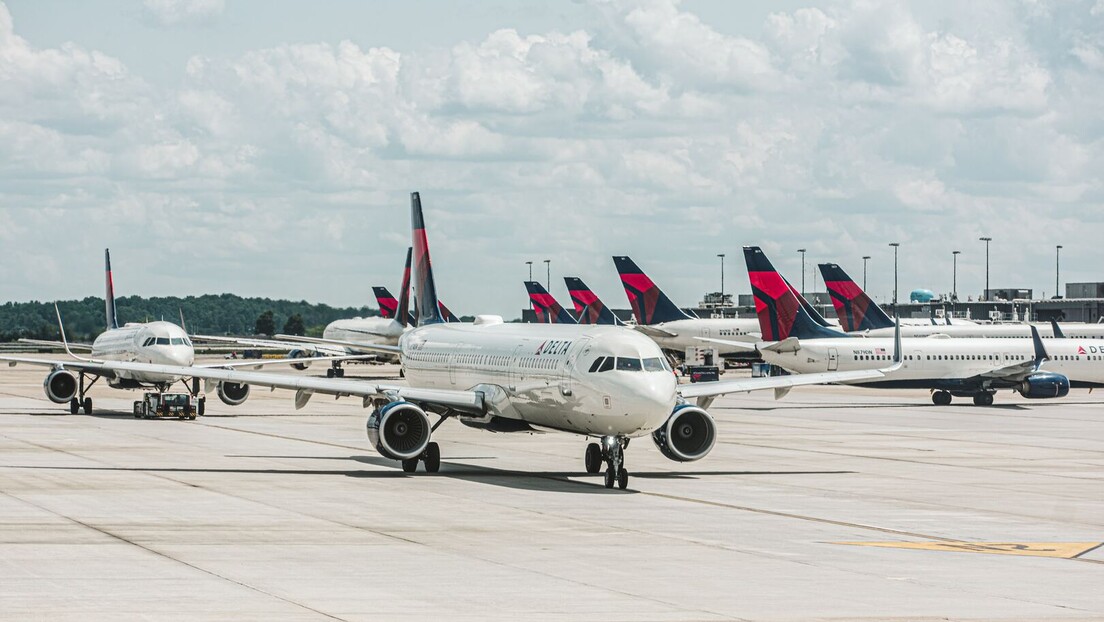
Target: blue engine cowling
299 354
399 430
1043 385
688 434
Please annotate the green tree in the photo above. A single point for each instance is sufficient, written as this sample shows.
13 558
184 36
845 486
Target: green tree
265 324
294 325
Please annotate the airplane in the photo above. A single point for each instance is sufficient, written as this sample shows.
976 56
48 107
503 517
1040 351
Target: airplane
606 382
157 343
974 368
858 313
588 306
671 327
546 308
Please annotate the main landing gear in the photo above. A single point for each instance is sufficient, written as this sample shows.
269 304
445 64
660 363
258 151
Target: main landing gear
431 458
82 401
612 452
335 370
943 398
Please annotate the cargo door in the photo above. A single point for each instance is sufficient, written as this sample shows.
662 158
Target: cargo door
833 359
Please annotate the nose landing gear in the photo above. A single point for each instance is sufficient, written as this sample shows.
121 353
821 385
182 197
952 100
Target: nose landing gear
612 452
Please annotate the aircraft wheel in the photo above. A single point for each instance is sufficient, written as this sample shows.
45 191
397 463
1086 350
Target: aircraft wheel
983 399
593 458
409 466
941 398
74 406
201 407
340 372
88 406
623 478
330 373
610 477
432 458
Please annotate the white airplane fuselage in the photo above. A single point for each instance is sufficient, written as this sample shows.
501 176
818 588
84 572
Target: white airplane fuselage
540 373
156 343
936 362
687 333
992 331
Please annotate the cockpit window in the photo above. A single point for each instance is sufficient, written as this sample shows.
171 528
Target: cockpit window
626 364
149 342
607 364
178 341
597 363
654 364
162 341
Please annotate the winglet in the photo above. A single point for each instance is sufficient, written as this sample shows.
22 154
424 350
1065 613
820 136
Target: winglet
61 328
1041 355
1058 334
898 354
183 326
403 315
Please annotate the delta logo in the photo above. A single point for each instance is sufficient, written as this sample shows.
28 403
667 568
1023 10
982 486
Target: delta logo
553 347
1081 350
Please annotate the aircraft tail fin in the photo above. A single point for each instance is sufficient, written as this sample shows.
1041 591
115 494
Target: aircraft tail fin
780 313
449 316
649 304
855 309
403 313
588 306
813 313
545 306
388 304
111 319
429 312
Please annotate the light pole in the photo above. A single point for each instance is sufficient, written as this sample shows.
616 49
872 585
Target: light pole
954 274
1057 257
895 246
722 256
548 274
866 258
530 264
985 294
802 251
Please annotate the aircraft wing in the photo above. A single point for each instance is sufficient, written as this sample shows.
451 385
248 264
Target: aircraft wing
259 363
654 331
348 345
1023 369
272 344
304 386
744 345
781 384
57 344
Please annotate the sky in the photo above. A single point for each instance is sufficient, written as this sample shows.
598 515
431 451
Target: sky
269 147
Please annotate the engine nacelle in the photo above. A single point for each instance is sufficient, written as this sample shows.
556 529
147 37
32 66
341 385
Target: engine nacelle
399 430
60 386
300 354
688 435
232 393
1043 385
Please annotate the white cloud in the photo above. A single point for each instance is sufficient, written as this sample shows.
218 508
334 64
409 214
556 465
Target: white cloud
183 12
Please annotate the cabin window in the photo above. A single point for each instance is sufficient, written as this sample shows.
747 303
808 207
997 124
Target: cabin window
653 364
627 364
607 364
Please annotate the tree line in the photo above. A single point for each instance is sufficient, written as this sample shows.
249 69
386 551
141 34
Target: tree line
210 314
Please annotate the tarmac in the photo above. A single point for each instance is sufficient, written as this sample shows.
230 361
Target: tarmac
834 503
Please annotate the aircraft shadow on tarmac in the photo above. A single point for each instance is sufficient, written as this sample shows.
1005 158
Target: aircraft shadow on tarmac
845 406
542 481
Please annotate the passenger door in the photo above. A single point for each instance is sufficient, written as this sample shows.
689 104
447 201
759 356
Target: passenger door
833 359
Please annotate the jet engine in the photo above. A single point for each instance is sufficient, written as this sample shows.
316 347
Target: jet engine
299 354
232 393
1044 384
688 435
60 386
399 430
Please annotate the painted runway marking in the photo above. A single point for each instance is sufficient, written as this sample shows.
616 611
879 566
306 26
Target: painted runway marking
1063 550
